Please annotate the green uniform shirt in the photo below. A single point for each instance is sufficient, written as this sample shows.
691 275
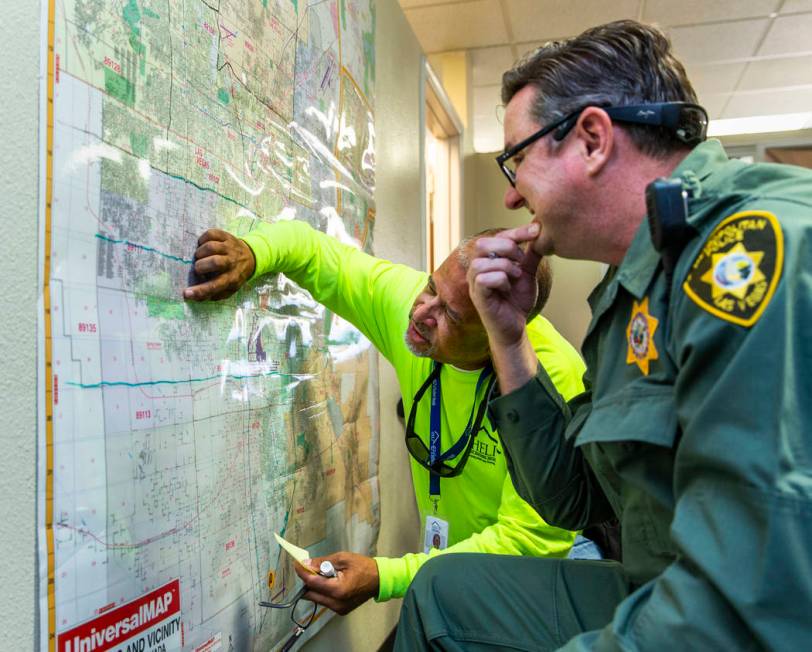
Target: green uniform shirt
481 505
697 424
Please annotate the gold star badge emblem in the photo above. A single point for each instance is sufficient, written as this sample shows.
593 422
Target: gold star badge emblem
734 272
640 337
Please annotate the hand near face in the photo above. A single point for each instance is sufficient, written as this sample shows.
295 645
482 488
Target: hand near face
502 282
224 261
356 582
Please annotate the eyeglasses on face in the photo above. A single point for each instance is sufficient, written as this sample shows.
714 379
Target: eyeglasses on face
688 122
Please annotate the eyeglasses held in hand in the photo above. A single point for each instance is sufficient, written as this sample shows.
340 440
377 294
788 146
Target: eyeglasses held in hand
301 623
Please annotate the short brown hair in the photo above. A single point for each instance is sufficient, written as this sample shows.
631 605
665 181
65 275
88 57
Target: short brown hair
619 63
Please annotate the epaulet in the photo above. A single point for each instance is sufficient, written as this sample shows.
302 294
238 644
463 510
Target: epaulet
667 208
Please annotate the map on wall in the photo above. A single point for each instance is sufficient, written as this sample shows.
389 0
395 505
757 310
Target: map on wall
177 438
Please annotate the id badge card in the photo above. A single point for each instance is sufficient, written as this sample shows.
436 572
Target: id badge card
435 534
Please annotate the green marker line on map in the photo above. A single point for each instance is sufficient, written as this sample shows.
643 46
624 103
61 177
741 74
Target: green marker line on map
147 383
135 245
180 177
203 188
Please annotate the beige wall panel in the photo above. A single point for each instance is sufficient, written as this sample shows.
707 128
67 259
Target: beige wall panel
567 308
488 64
488 114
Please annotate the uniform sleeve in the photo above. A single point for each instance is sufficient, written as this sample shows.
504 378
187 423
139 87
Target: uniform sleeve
537 428
537 424
742 481
371 293
518 530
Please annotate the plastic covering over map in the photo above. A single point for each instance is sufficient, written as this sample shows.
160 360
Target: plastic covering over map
177 438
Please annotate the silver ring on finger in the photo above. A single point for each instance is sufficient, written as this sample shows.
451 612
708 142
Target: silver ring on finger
492 255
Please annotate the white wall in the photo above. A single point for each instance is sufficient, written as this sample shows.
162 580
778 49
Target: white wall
19 51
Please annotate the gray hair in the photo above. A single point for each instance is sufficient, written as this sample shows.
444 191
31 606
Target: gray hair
624 62
544 273
465 244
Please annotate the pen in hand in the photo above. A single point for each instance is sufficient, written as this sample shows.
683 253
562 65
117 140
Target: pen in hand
326 569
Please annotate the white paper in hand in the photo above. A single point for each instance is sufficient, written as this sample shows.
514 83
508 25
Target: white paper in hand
299 554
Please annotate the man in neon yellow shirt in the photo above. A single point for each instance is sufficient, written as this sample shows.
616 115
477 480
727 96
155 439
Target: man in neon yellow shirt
427 327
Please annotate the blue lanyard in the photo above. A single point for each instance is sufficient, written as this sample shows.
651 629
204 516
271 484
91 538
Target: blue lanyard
435 455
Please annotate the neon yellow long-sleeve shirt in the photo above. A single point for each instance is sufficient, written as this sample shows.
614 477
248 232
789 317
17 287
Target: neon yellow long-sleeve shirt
484 512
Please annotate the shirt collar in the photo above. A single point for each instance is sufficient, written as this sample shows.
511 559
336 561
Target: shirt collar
465 371
698 166
640 262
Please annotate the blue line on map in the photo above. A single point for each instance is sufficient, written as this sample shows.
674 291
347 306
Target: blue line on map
144 248
204 188
122 383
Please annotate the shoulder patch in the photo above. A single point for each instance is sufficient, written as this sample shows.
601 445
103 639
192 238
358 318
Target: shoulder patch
736 272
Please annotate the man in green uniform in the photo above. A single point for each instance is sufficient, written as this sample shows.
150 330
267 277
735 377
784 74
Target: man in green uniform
696 425
427 327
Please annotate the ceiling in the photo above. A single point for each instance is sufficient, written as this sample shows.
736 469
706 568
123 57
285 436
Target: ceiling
744 57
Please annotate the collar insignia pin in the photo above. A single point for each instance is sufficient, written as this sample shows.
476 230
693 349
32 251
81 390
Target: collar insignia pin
640 337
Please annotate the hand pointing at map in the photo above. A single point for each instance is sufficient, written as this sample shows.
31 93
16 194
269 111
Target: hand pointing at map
224 261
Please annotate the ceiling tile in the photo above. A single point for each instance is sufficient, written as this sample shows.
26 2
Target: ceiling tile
795 6
788 34
768 103
540 20
409 4
691 12
777 73
458 26
717 42
488 64
715 77
714 103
